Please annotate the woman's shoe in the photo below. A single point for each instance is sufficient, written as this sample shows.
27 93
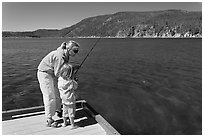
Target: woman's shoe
65 124
52 123
59 114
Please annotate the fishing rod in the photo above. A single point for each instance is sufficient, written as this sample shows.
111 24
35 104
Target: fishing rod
87 55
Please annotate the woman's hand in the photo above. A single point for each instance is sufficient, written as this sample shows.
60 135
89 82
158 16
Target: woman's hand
76 67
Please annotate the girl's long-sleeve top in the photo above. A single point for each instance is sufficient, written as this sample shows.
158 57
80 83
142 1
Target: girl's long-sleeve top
53 62
67 90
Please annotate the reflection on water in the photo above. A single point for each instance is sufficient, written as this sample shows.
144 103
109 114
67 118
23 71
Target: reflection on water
141 86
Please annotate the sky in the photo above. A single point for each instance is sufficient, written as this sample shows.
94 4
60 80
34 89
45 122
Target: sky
30 16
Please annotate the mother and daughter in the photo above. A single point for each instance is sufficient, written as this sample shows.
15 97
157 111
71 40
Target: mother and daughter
57 84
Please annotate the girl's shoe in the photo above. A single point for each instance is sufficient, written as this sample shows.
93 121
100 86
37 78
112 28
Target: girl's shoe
74 127
66 121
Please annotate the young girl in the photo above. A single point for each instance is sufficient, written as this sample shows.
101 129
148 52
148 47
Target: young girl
67 86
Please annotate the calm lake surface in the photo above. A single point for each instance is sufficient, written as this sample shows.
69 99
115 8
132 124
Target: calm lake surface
140 86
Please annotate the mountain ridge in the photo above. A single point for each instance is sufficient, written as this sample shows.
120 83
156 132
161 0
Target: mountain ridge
163 23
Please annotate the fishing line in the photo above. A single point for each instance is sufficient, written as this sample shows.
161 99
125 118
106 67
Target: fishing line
88 54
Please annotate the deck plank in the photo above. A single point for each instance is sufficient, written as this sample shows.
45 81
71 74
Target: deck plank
18 125
35 125
67 131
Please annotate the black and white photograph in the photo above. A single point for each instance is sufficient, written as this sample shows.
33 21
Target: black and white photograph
102 68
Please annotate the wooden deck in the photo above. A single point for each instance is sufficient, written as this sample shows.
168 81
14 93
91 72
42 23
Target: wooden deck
34 124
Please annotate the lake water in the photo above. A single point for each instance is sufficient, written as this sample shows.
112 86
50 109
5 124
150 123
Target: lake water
141 86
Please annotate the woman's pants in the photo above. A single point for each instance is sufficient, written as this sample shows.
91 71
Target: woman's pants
51 96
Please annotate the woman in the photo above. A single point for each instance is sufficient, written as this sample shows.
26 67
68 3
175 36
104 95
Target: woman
48 73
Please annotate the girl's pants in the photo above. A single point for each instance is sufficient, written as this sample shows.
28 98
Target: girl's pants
69 110
51 96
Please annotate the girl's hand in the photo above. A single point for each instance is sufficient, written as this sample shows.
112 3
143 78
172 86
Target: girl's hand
76 79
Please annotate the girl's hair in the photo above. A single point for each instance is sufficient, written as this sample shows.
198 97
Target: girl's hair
66 71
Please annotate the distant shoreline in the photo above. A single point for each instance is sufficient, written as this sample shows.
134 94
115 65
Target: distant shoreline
108 37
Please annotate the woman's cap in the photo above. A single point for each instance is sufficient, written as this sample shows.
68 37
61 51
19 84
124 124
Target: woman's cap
69 45
73 43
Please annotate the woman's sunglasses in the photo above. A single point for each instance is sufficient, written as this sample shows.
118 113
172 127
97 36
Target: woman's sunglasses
75 50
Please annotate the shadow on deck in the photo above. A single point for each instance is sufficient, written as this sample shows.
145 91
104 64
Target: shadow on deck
84 119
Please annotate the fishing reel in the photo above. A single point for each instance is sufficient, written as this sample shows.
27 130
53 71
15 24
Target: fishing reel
74 77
